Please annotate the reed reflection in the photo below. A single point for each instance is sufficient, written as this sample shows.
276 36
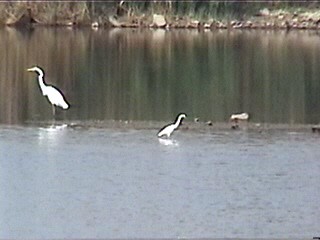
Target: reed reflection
153 74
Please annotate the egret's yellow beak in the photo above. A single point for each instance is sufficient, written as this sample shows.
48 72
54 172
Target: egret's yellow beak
30 70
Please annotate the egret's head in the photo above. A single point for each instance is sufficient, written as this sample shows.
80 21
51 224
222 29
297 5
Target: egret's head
36 69
180 118
182 115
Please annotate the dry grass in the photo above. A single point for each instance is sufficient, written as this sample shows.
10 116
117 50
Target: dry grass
49 13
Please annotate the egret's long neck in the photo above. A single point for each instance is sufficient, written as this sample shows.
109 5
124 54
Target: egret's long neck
41 83
177 123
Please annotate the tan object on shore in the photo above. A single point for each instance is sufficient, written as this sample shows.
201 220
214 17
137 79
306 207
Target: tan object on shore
316 128
239 116
264 12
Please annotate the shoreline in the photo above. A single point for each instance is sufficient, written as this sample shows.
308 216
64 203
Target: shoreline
202 127
264 19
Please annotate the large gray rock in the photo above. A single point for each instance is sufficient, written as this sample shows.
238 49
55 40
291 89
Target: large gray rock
158 21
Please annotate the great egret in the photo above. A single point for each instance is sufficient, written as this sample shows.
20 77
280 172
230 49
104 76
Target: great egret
54 96
168 129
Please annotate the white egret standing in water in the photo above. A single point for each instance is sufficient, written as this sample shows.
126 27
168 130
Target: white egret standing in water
168 129
53 94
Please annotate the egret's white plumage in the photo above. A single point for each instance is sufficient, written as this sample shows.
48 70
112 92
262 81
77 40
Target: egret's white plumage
54 96
169 129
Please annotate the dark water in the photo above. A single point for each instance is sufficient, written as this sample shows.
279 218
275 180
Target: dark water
58 182
154 74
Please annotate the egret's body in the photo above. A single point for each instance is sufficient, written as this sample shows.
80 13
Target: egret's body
169 129
54 96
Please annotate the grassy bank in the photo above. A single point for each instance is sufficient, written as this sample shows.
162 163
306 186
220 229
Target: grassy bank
212 14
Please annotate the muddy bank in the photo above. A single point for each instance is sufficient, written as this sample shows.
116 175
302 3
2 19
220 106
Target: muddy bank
202 126
264 19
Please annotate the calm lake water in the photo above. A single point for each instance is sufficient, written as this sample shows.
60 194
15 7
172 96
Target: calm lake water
58 182
99 171
154 74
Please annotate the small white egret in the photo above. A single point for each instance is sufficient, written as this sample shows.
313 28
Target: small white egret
54 96
168 129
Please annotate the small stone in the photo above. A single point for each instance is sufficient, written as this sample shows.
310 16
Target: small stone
209 123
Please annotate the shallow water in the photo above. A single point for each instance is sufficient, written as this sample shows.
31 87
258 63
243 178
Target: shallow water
63 182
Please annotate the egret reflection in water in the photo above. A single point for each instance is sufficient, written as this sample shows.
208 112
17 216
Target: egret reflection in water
50 136
168 142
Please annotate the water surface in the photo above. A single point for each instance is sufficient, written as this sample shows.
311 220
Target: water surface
154 74
61 182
